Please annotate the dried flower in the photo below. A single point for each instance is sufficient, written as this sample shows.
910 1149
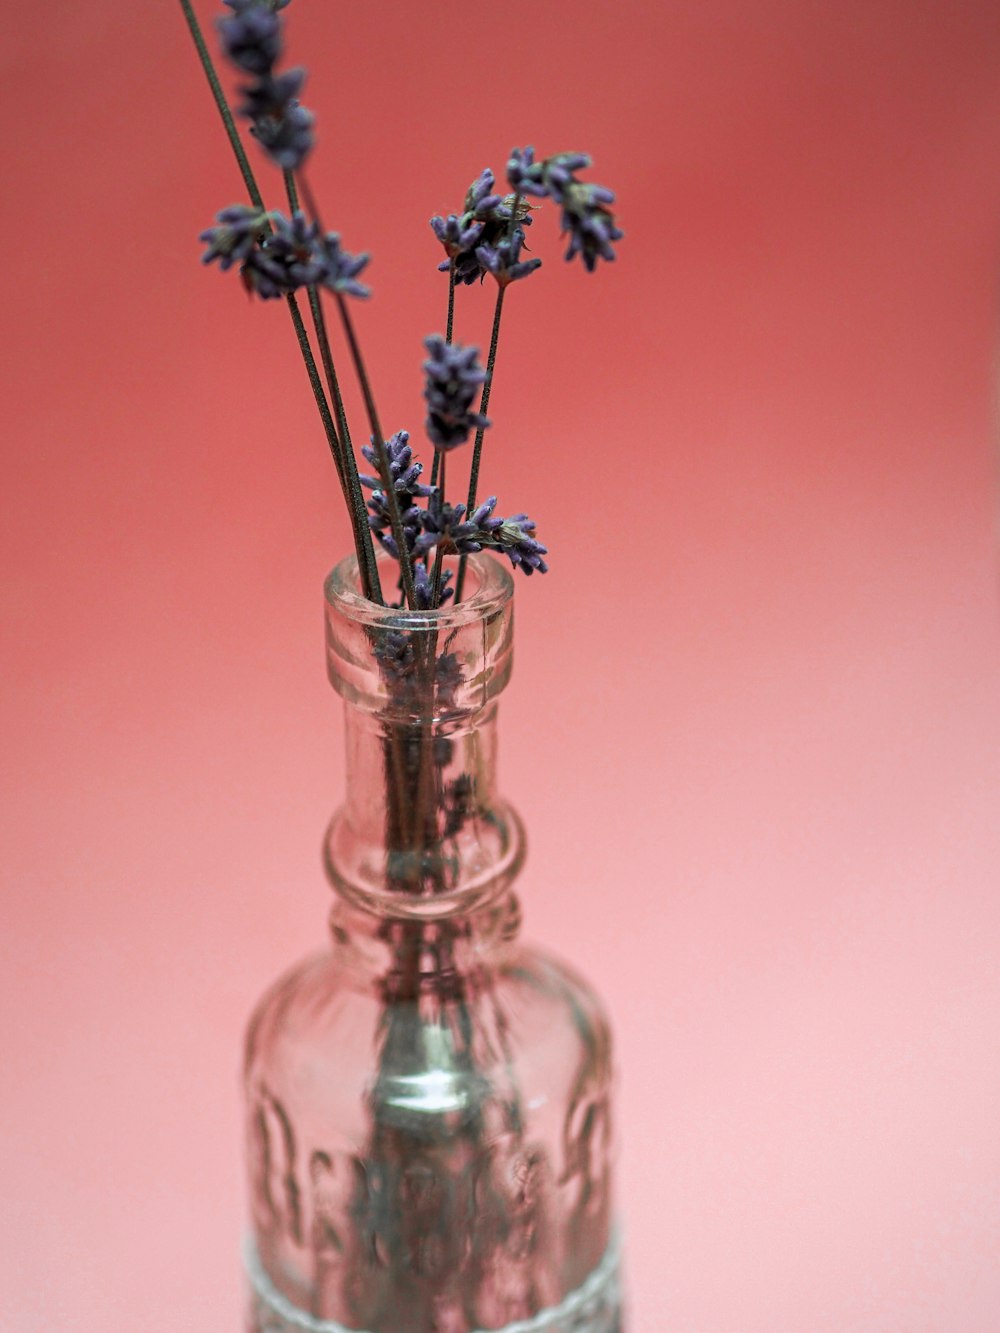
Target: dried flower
590 222
251 37
484 220
405 474
423 586
239 229
288 259
445 525
448 676
524 174
586 214
503 260
454 378
279 255
341 269
458 236
283 126
459 233
514 536
395 655
480 200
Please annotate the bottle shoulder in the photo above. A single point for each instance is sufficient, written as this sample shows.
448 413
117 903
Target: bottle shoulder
541 1001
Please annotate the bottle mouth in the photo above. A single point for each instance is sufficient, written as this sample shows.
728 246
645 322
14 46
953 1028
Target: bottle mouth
420 666
488 589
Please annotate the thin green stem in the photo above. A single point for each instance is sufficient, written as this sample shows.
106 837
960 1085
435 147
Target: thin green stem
315 382
347 465
381 453
253 190
439 467
477 448
223 106
448 333
356 500
291 189
451 299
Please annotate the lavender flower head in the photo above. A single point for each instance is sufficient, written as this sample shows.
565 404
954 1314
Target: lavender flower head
235 236
288 259
504 260
423 586
251 37
341 269
514 536
586 212
445 525
484 220
282 125
405 475
458 233
454 378
590 223
278 255
524 174
394 654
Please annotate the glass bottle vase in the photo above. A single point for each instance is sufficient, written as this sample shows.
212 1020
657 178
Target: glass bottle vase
428 1100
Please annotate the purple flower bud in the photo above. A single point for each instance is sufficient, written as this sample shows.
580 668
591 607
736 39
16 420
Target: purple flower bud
239 229
342 269
283 127
504 262
251 38
454 379
524 175
405 474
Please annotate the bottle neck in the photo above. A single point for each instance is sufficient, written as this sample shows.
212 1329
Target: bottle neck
423 833
423 836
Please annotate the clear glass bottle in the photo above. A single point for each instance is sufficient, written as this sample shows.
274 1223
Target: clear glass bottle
428 1100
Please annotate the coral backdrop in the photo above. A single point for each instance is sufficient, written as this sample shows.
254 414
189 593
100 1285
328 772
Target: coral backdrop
754 724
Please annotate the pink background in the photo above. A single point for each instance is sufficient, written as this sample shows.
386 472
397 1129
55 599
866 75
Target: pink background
754 725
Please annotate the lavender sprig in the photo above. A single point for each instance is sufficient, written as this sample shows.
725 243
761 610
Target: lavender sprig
504 260
407 488
586 212
281 255
286 260
484 221
341 269
282 126
514 536
445 526
238 231
453 380
252 37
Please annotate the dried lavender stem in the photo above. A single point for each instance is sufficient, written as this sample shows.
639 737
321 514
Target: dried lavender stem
477 448
378 443
440 457
348 466
315 382
223 106
447 338
257 200
451 299
378 440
